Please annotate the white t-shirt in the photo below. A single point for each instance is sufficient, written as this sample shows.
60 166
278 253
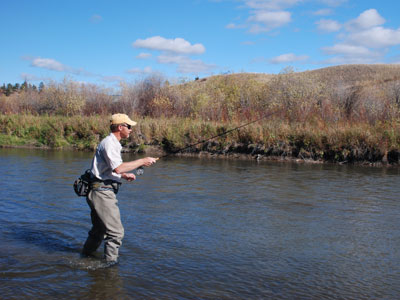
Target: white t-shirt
107 158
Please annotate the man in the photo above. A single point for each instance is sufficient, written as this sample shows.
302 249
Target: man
107 170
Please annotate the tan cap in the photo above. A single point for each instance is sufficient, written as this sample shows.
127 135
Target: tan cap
121 119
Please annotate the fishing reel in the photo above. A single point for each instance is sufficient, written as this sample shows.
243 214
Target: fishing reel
139 171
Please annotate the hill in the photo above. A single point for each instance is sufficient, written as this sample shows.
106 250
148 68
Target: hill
343 114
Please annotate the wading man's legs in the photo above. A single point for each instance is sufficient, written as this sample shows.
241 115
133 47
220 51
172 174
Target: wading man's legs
106 222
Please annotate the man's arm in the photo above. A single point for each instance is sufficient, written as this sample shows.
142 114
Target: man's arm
132 165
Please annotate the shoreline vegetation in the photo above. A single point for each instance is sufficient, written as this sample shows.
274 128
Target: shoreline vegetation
344 114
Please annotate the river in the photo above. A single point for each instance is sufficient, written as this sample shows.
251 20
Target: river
203 229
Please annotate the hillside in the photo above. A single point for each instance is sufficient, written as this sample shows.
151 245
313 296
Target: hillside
342 114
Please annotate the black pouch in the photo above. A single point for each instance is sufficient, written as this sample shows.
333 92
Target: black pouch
83 183
116 186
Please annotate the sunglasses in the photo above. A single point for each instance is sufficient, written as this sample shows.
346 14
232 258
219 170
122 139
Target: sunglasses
127 126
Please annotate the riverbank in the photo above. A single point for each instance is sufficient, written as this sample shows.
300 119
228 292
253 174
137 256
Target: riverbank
270 139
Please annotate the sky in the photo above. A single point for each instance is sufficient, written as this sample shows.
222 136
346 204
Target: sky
107 43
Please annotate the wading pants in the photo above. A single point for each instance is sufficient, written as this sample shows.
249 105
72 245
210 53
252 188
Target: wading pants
106 222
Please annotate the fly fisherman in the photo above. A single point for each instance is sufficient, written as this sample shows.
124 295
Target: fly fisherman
107 170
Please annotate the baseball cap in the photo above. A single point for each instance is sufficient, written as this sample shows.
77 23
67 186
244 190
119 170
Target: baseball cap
121 119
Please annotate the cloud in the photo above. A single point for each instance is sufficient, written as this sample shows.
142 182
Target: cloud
31 77
269 20
177 45
112 78
266 15
368 19
288 58
53 65
348 50
175 52
186 64
328 25
363 40
323 12
96 19
271 4
146 70
377 37
143 55
333 3
234 26
48 63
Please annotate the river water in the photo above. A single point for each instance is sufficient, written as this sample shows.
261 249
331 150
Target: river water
203 229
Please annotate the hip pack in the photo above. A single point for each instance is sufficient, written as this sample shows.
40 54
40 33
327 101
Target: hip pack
82 184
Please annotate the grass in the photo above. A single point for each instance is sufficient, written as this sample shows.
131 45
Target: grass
339 142
344 114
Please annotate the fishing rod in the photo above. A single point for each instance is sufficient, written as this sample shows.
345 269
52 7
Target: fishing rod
140 170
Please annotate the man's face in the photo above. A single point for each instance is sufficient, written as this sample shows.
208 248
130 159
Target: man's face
125 130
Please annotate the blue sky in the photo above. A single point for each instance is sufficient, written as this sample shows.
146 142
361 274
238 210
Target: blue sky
108 42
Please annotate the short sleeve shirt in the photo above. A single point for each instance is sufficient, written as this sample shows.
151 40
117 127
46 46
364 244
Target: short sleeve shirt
107 158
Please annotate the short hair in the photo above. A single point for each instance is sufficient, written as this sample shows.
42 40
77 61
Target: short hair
114 127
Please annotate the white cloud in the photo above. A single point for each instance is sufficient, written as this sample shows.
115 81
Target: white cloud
348 50
112 78
269 20
176 52
248 43
186 64
365 20
351 54
333 3
288 58
53 65
177 45
343 60
363 40
377 37
146 70
31 77
96 19
266 15
49 63
234 26
271 4
328 25
143 55
323 12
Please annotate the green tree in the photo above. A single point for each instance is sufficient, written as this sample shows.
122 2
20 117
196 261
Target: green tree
9 89
41 86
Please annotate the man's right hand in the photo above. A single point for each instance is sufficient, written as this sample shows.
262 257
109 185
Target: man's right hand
148 161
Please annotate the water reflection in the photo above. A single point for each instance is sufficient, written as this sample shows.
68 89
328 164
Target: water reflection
207 229
105 284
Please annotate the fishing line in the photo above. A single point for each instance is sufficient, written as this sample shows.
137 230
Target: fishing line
140 170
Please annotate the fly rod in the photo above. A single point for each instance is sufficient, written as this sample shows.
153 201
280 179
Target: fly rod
140 170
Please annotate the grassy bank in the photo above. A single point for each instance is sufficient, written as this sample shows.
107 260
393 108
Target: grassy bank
345 113
270 138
